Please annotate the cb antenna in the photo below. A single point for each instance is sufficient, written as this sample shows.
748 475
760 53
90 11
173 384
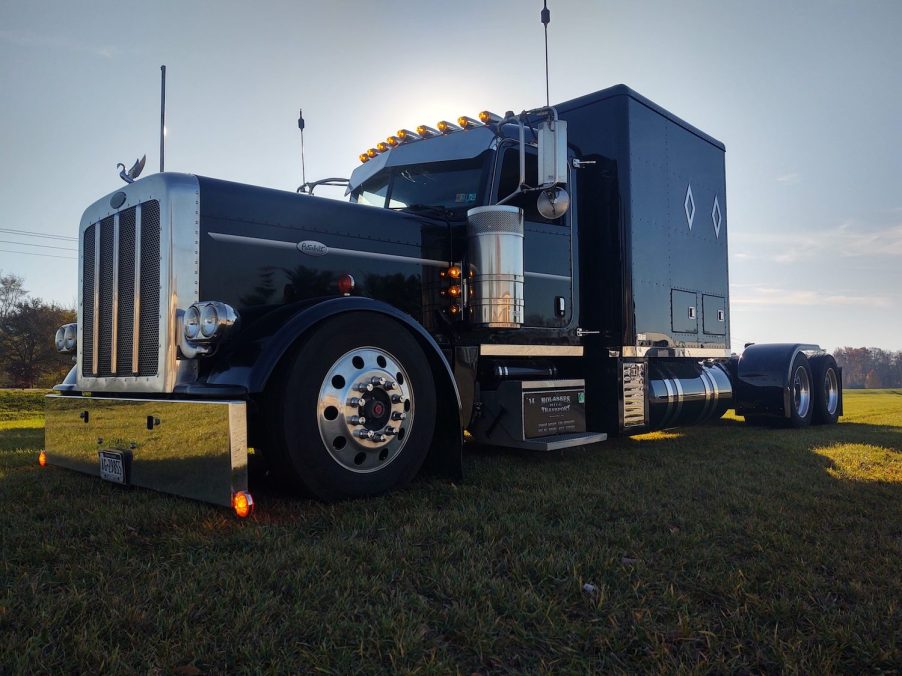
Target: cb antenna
301 127
162 115
546 19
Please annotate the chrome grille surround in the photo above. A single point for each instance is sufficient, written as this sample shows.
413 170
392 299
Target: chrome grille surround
138 265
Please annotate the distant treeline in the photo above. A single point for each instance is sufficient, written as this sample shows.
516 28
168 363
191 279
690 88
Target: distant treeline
869 367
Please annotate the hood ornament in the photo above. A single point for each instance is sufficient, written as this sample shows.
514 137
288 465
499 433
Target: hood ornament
134 172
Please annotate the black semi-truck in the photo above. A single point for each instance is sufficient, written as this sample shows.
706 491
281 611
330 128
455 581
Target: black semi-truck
537 280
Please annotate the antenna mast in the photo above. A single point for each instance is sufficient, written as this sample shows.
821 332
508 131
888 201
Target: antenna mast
546 19
162 116
301 127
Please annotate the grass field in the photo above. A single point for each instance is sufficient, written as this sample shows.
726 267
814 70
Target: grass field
724 548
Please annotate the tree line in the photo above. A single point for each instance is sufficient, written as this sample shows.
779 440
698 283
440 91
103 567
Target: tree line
28 356
869 367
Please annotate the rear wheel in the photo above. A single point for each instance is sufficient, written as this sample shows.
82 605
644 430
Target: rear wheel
826 390
354 412
800 395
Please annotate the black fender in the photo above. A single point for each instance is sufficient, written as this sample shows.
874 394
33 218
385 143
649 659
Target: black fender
763 377
251 365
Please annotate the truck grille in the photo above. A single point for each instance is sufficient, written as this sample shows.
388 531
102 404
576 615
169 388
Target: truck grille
121 328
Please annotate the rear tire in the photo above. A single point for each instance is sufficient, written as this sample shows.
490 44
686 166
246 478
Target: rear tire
827 390
316 435
801 404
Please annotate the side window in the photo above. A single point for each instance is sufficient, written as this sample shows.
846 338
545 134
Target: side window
510 178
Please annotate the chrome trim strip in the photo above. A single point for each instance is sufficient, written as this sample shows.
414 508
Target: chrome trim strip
695 352
115 295
544 384
279 244
496 350
95 338
545 275
136 304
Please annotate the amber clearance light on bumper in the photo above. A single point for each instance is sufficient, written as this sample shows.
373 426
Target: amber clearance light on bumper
243 504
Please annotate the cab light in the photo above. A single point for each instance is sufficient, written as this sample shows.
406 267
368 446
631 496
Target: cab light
468 122
392 141
454 272
371 153
454 290
42 459
488 117
447 127
382 147
243 504
346 284
454 309
405 135
425 131
364 157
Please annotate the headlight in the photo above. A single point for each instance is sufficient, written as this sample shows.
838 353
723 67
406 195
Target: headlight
71 335
66 338
192 322
209 320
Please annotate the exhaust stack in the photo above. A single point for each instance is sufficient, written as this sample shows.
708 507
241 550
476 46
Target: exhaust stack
495 235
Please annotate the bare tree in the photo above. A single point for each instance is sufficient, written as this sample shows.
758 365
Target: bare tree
12 291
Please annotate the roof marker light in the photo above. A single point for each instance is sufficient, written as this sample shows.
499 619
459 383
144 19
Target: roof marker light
426 131
371 153
447 127
405 135
392 141
382 147
468 122
364 157
488 117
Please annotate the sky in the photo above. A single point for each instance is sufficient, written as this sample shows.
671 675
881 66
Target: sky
806 96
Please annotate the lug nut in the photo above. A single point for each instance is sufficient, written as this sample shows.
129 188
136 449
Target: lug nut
390 431
357 420
364 434
398 398
378 437
398 416
356 401
389 385
364 387
377 380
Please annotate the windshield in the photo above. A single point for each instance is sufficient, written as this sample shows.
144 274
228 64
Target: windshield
449 185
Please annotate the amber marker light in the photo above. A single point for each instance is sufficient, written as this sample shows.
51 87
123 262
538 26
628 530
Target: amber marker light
454 272
371 153
425 131
468 122
488 117
243 504
454 290
405 135
364 157
382 147
392 141
447 127
455 309
42 459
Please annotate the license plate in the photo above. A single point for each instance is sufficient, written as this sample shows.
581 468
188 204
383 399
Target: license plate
112 466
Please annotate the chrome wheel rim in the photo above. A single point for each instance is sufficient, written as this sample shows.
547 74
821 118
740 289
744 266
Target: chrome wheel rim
365 409
831 391
801 391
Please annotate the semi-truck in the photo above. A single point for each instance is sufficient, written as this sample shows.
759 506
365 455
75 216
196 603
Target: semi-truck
537 280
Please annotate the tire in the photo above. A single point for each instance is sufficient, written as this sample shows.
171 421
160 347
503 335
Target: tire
316 437
801 401
827 390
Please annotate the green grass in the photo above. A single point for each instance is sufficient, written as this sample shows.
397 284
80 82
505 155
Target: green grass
724 548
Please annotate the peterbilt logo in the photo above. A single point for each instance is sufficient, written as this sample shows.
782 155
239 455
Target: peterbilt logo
313 248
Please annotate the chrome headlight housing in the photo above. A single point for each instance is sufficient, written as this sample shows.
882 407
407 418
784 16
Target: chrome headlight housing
209 321
66 338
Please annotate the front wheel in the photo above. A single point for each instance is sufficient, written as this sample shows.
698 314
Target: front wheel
354 412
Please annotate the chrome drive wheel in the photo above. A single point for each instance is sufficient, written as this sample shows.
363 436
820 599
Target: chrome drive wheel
800 395
365 407
827 390
352 410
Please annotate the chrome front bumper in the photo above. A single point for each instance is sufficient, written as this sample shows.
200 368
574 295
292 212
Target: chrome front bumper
195 449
